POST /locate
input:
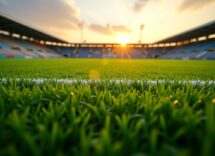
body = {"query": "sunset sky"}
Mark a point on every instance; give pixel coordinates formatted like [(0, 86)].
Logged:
[(109, 20)]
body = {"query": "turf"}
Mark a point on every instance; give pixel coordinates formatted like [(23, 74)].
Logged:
[(106, 119), (109, 69)]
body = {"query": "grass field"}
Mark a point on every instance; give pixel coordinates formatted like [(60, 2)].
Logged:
[(109, 69), (102, 118)]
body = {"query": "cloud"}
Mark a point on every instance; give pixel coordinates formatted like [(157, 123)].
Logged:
[(109, 29), (194, 4), (44, 14), (105, 30), (139, 5), (121, 28)]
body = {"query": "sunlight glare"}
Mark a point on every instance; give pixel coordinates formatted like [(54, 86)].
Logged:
[(123, 40)]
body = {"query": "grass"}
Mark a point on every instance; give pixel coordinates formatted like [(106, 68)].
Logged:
[(109, 69), (107, 118)]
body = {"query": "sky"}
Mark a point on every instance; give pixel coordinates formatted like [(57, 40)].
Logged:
[(109, 21)]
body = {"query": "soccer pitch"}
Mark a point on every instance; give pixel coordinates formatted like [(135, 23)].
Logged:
[(107, 118), (123, 69)]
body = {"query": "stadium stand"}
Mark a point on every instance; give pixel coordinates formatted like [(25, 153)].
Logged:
[(32, 43), (15, 48), (179, 46), (197, 43), (12, 44), (200, 50)]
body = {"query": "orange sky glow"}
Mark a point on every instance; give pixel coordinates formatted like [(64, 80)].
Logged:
[(111, 21)]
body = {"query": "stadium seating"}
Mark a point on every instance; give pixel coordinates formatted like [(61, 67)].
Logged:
[(17, 48), (202, 50), (199, 50), (96, 53)]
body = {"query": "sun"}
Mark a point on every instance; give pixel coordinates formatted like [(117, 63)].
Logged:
[(123, 40)]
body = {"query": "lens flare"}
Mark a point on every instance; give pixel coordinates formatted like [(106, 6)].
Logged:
[(94, 74)]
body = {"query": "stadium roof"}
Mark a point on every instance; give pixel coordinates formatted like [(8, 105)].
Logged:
[(13, 26), (203, 30)]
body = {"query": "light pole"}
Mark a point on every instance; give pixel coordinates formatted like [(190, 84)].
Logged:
[(141, 32), (81, 27)]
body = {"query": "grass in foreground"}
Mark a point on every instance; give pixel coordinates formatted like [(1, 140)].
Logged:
[(106, 119), (109, 69)]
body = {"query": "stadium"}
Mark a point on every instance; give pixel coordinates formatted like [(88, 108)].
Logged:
[(62, 97), (21, 41)]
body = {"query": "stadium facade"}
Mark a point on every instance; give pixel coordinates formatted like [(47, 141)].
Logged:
[(18, 40)]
